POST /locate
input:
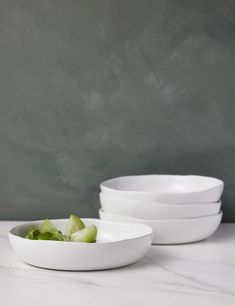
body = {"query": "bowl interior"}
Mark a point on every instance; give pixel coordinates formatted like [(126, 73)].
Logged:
[(162, 183), (107, 231)]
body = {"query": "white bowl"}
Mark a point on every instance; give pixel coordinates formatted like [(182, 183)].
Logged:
[(154, 210), (173, 231), (117, 245), (171, 189)]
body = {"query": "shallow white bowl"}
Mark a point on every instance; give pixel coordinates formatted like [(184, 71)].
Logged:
[(117, 245), (154, 210), (174, 231), (171, 189)]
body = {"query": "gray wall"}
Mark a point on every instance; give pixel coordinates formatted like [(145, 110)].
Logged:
[(95, 89)]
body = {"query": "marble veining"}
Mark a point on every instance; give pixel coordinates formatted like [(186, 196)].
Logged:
[(202, 273)]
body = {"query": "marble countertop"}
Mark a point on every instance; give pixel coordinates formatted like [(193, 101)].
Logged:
[(202, 273)]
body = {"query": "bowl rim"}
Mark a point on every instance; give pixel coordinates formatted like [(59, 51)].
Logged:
[(218, 215), (76, 243), (148, 202), (103, 185)]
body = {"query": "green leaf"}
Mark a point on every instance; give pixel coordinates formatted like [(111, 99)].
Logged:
[(59, 236), (45, 236), (76, 231), (50, 236), (88, 234), (47, 227), (33, 234), (74, 224)]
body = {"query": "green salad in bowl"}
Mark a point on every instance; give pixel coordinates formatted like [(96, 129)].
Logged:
[(76, 231)]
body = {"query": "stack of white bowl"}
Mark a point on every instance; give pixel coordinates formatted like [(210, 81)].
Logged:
[(180, 209)]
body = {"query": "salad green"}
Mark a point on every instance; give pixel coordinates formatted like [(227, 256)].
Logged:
[(88, 234), (75, 232), (75, 224)]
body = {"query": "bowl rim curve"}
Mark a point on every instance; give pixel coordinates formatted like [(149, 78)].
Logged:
[(101, 194), (146, 226), (103, 184), (219, 214)]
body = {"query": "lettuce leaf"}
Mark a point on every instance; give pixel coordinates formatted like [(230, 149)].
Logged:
[(33, 234), (88, 234), (75, 224), (47, 227), (76, 231)]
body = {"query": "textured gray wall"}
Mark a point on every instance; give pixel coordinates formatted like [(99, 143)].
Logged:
[(95, 89)]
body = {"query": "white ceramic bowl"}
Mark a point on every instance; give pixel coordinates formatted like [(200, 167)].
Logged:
[(171, 189), (117, 245), (154, 210), (174, 231)]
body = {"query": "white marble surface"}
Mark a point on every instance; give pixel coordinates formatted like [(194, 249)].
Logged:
[(195, 274)]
